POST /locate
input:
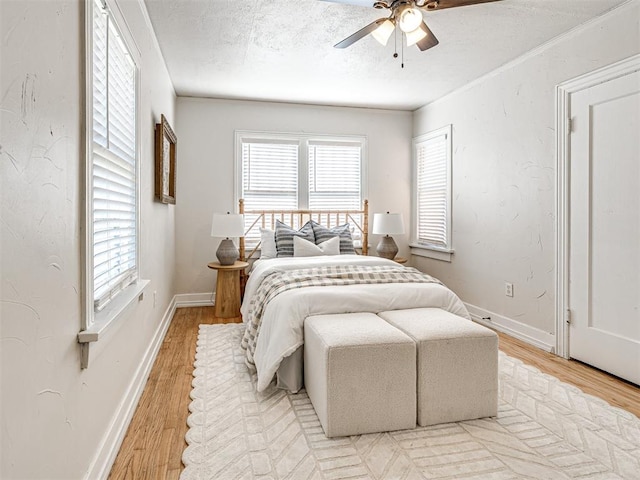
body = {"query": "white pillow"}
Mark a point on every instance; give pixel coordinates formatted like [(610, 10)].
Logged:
[(268, 243), (305, 248)]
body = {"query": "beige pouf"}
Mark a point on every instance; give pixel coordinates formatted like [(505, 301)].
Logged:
[(457, 365), (360, 374)]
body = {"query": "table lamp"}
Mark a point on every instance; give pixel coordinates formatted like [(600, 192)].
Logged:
[(225, 226), (387, 224)]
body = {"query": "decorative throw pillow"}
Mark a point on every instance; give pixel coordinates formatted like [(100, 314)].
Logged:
[(343, 231), (268, 243), (285, 234), (305, 248)]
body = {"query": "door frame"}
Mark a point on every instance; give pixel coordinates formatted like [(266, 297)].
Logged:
[(563, 157)]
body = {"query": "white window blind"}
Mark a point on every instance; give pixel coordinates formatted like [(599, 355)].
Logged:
[(335, 177), (432, 163), (269, 179), (288, 172), (270, 174), (114, 171)]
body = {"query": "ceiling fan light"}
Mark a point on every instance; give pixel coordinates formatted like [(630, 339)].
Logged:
[(410, 19), (415, 36), (383, 32)]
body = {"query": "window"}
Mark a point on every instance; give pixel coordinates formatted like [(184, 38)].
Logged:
[(431, 229), (335, 180), (281, 172), (112, 171), (269, 174)]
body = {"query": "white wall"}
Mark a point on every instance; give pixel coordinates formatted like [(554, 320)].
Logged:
[(205, 130), (55, 415), (504, 170)]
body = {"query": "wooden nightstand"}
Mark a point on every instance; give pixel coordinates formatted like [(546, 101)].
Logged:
[(228, 288), (400, 260)]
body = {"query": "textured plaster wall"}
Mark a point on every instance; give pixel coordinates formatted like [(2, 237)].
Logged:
[(55, 415), (206, 166), (504, 170)]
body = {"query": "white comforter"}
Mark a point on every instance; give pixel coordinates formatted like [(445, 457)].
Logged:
[(281, 331)]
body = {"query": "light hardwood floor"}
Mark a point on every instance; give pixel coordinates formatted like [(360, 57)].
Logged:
[(153, 445)]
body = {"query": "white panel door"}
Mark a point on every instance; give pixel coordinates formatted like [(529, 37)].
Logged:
[(604, 258)]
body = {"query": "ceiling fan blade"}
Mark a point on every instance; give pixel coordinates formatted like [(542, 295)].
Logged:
[(358, 3), (442, 4), (363, 32), (429, 41)]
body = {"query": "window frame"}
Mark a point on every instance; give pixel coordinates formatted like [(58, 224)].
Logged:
[(303, 159), (418, 247), (94, 322)]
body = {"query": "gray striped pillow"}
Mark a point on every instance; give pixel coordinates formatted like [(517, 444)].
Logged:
[(322, 234), (285, 234)]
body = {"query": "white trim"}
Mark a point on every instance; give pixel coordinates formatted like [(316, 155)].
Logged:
[(303, 173), (443, 254), (106, 453), (532, 53), (563, 131), (562, 225), (87, 250), (526, 333), (237, 167), (195, 299), (113, 311), (602, 75)]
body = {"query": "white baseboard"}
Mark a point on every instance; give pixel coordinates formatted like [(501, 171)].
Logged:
[(533, 336), (103, 461), (195, 299)]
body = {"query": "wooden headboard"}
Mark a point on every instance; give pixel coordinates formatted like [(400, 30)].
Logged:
[(297, 218)]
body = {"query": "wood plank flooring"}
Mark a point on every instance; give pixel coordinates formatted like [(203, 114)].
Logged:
[(153, 445), (615, 391)]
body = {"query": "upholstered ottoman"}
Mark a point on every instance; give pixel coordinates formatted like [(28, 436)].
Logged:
[(457, 364), (360, 374)]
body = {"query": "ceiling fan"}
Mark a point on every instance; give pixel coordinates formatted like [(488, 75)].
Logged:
[(404, 14)]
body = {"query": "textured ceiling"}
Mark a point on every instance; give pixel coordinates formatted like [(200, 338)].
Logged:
[(282, 50)]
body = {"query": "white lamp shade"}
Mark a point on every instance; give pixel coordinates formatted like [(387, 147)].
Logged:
[(383, 32), (388, 224), (415, 36), (410, 19), (227, 225)]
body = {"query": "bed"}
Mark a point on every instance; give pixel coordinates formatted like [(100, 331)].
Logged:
[(281, 292)]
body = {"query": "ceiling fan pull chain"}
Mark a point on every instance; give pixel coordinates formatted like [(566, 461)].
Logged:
[(402, 50), (395, 43)]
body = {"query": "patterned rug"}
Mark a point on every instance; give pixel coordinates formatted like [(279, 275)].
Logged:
[(545, 429)]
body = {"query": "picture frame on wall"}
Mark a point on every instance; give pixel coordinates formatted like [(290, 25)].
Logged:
[(165, 151)]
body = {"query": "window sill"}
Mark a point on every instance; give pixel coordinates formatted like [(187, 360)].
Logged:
[(109, 316), (442, 254)]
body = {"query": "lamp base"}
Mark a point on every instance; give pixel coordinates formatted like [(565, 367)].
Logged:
[(227, 252), (387, 248)]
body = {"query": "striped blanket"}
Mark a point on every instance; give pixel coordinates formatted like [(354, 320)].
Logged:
[(337, 275)]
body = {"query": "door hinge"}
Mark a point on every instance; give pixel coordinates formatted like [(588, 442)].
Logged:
[(570, 124), (567, 316)]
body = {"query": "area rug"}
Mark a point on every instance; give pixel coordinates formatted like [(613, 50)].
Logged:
[(545, 429)]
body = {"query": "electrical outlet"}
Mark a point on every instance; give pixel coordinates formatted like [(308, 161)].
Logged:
[(508, 289)]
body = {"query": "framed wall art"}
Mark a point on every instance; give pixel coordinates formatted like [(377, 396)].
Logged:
[(165, 188)]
